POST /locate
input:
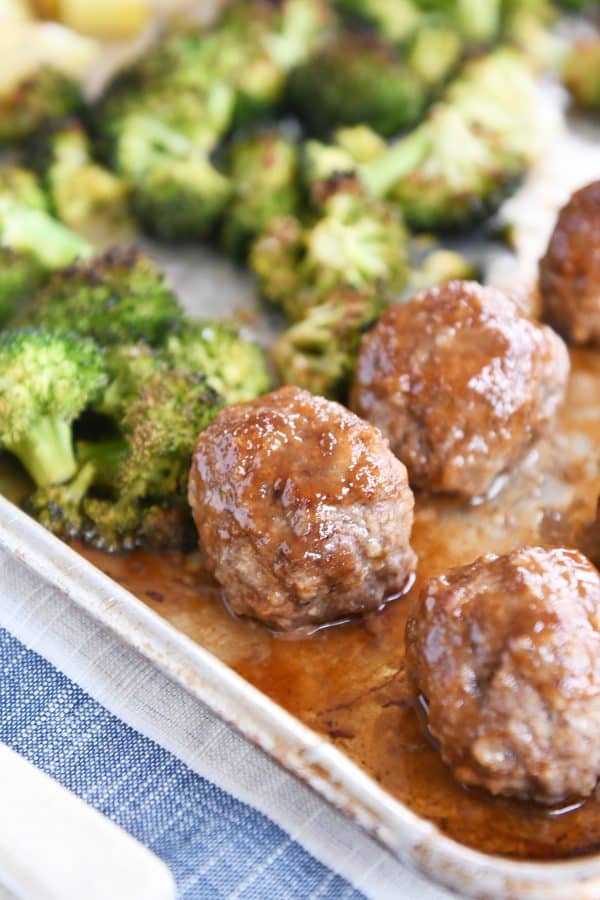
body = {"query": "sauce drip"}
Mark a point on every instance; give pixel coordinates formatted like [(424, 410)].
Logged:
[(348, 682)]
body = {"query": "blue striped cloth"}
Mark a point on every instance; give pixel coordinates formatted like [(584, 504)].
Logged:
[(215, 845)]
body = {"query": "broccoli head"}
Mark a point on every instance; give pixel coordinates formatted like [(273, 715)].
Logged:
[(582, 74), (177, 192), (177, 84), (128, 368), (354, 242), (131, 485), (120, 296), (498, 97), (462, 160), (355, 79), (233, 367), (46, 381), (263, 170), (221, 75), (443, 175), (83, 193), (181, 199), (319, 352), (161, 427), (46, 94)]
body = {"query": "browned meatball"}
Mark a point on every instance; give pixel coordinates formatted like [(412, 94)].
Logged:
[(570, 270), (303, 513), (506, 654), (461, 383)]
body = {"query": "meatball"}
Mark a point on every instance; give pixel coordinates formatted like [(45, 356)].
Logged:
[(570, 270), (506, 655), (303, 513), (461, 383)]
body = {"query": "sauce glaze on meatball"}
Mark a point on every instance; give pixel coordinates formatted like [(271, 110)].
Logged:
[(506, 654), (570, 270), (461, 383), (303, 513)]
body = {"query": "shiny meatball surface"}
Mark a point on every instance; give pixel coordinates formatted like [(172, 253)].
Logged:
[(570, 270), (505, 653), (461, 383), (303, 513)]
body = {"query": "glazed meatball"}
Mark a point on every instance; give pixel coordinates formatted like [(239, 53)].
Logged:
[(461, 383), (505, 653), (570, 270), (303, 513)]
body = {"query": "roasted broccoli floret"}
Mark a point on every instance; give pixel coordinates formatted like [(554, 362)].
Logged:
[(176, 84), (24, 107), (444, 175), (181, 199), (161, 427), (159, 122), (84, 194), (498, 98), (468, 153), (128, 368), (234, 367), (355, 79), (159, 135), (582, 74), (46, 380), (319, 352), (176, 191), (131, 486), (263, 172), (355, 242), (88, 507), (120, 296)]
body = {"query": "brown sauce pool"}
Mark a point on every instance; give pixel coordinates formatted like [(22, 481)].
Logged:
[(348, 682)]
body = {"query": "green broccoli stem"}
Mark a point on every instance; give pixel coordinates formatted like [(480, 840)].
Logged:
[(47, 452), (74, 492), (381, 174)]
